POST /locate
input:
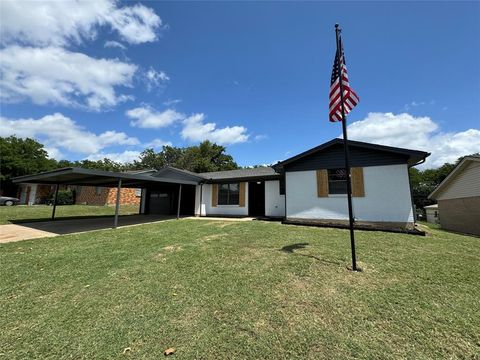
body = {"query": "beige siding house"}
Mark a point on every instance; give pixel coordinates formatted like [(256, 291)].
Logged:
[(458, 197), (432, 213)]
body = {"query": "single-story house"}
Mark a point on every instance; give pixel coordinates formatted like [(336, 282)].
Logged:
[(458, 197), (432, 213), (309, 188)]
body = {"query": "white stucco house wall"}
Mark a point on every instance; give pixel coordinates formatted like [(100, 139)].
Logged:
[(386, 197)]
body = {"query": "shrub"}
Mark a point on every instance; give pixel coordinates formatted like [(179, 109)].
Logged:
[(65, 197)]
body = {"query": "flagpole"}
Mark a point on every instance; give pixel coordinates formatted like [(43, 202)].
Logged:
[(345, 146)]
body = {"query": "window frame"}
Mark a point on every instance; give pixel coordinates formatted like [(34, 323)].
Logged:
[(230, 194), (331, 181)]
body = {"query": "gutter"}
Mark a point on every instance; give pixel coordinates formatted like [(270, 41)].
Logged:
[(420, 162)]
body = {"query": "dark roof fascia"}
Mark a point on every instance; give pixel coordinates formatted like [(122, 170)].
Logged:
[(100, 173), (412, 154), (138, 172), (244, 178), (42, 175)]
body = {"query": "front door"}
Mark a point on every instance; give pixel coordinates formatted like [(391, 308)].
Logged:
[(159, 202), (256, 198)]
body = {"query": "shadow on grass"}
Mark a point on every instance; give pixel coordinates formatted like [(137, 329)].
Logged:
[(69, 225), (290, 249), (60, 218)]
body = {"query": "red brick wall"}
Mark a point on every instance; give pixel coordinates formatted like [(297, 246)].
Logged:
[(106, 196), (88, 195), (127, 197), (44, 190)]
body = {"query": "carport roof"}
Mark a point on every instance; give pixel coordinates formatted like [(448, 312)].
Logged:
[(92, 177)]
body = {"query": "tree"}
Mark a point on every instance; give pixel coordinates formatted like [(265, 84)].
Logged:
[(424, 182), (105, 164), (205, 157), (149, 159), (21, 157)]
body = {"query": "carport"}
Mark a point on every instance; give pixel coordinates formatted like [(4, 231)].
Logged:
[(90, 177)]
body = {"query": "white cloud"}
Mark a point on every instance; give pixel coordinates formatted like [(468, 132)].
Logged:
[(114, 44), (260, 137), (57, 131), (158, 143), (54, 153), (172, 102), (155, 78), (127, 156), (418, 133), (135, 24), (414, 103), (60, 23), (147, 117), (55, 75), (194, 129)]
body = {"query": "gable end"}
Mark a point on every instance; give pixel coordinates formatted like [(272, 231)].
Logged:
[(333, 157)]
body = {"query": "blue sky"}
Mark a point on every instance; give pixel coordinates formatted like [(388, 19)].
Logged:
[(115, 77)]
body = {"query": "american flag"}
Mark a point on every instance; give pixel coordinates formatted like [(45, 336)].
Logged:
[(350, 99)]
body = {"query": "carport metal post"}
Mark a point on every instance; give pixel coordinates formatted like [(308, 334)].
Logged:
[(179, 199), (55, 202), (117, 204)]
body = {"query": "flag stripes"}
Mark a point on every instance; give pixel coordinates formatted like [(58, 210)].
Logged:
[(350, 98)]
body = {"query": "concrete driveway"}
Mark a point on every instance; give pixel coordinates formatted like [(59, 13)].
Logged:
[(41, 229)]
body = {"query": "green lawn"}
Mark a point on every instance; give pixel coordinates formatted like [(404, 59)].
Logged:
[(218, 289), (9, 214)]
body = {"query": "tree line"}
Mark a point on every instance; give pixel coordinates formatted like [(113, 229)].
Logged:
[(27, 156)]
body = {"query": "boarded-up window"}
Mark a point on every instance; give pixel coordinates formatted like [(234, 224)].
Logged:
[(322, 183), (358, 188)]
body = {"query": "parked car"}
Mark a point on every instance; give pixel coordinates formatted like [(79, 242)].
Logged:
[(8, 201)]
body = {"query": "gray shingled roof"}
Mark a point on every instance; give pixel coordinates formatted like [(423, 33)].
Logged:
[(240, 173)]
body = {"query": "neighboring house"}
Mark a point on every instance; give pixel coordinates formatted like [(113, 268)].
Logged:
[(458, 197), (97, 195), (32, 194), (309, 188), (432, 213)]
